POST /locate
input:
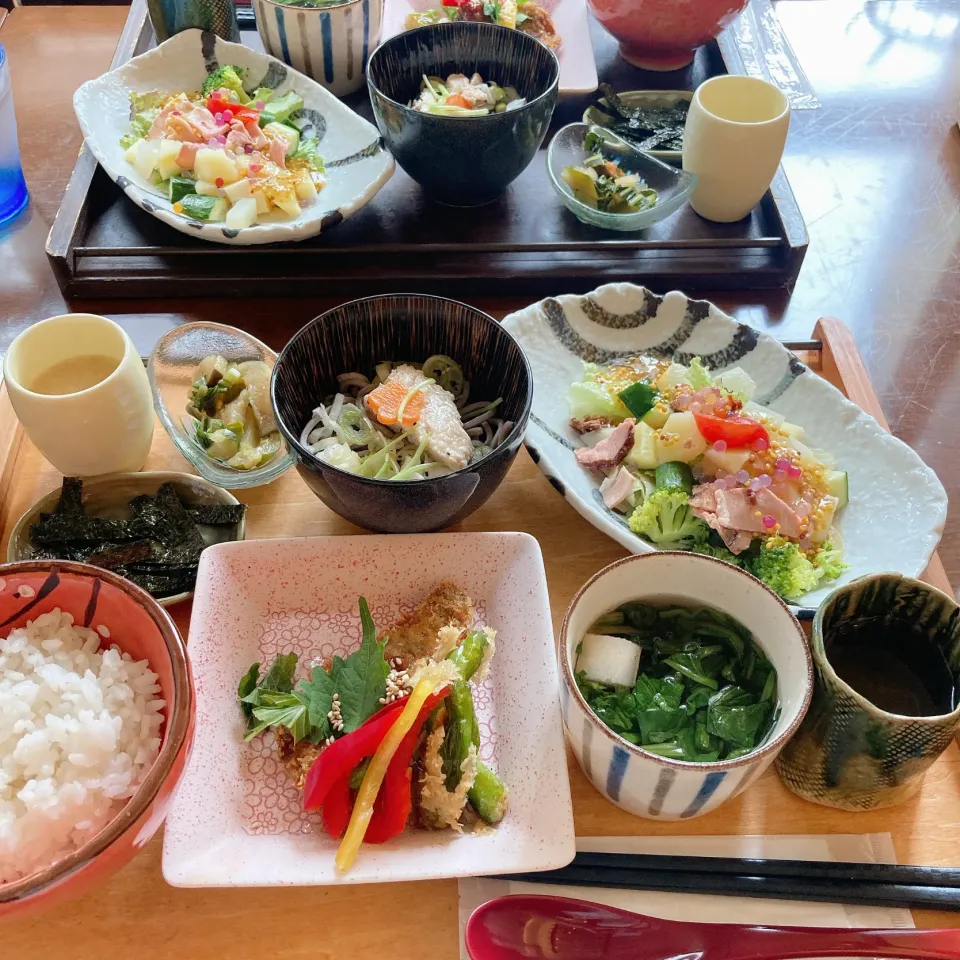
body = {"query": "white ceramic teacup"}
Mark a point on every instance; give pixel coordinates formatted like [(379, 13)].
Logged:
[(734, 138), (106, 427)]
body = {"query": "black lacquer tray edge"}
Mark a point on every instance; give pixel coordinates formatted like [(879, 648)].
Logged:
[(766, 263)]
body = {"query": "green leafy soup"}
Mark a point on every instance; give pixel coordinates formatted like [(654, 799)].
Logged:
[(688, 683)]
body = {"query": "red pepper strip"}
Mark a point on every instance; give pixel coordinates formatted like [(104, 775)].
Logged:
[(734, 430), (339, 759), (395, 799), (336, 808)]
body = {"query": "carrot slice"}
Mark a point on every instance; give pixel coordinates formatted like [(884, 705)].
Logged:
[(385, 403), (455, 100)]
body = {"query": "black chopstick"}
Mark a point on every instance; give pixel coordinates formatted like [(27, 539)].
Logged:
[(822, 891), (746, 866), (864, 884)]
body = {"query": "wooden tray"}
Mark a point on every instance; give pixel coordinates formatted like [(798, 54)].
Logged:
[(419, 921), (102, 245)]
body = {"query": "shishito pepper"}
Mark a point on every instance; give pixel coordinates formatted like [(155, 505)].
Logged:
[(430, 677)]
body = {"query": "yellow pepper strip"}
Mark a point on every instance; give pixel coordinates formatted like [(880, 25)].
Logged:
[(508, 14), (373, 778)]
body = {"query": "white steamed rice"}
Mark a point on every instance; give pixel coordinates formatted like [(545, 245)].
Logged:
[(79, 729)]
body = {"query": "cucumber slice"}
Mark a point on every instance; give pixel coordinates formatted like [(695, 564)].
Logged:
[(204, 208), (838, 486), (674, 476), (181, 187), (639, 398), (657, 416)]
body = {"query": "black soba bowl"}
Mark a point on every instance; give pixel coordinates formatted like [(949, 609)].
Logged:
[(401, 327), (463, 161)]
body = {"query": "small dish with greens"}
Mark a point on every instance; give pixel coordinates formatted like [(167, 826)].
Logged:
[(684, 682), (601, 183), (211, 392), (229, 411), (605, 182), (683, 678)]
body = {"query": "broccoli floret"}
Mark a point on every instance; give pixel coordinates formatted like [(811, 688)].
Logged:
[(697, 375), (666, 520), (828, 563), (227, 77), (784, 569), (721, 553)]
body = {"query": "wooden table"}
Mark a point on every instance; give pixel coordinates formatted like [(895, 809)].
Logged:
[(877, 173)]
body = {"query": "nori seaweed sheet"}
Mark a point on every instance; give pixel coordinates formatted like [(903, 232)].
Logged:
[(54, 527), (111, 556), (158, 549), (647, 128), (71, 496), (176, 530), (216, 514)]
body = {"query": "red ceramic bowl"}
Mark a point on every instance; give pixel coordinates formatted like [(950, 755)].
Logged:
[(142, 628), (663, 34)]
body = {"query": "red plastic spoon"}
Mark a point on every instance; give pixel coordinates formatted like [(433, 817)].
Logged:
[(557, 928)]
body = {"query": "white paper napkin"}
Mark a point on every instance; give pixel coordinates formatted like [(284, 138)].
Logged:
[(856, 848)]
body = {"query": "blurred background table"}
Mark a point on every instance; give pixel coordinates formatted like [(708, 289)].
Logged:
[(877, 174)]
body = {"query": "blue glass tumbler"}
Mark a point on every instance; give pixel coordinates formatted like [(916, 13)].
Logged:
[(13, 188)]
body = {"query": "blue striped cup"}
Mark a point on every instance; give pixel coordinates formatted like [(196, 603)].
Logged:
[(644, 783), (331, 44)]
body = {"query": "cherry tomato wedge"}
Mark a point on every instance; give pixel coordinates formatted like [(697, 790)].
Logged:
[(734, 430), (215, 105)]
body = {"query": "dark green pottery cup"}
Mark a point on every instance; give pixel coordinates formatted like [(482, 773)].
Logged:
[(848, 752)]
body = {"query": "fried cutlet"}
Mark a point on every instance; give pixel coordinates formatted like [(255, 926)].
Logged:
[(298, 758), (414, 635)]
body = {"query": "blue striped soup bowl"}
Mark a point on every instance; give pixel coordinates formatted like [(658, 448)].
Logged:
[(331, 44), (643, 783)]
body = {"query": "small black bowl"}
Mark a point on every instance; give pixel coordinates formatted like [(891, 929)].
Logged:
[(357, 336), (463, 161)]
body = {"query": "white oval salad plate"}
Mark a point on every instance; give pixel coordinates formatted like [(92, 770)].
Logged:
[(356, 163), (897, 506)]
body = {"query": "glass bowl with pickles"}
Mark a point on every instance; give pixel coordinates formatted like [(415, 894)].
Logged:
[(607, 183), (211, 391)]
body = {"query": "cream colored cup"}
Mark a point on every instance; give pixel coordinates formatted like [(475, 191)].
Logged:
[(734, 138), (106, 428)]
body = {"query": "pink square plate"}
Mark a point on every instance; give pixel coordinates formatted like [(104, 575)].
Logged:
[(578, 67), (237, 819)]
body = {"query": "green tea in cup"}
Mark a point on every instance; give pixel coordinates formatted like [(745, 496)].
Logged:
[(886, 649)]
